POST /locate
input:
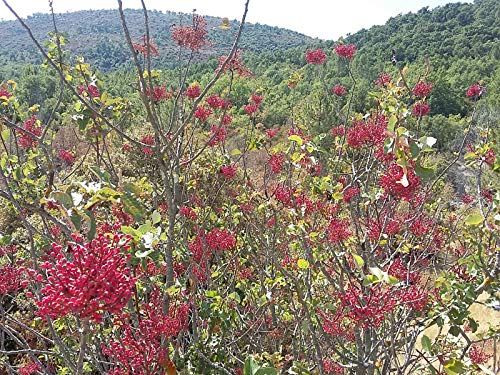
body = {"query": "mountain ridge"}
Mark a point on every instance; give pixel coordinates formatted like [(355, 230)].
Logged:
[(98, 36)]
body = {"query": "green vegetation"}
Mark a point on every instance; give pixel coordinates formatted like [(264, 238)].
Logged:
[(330, 208)]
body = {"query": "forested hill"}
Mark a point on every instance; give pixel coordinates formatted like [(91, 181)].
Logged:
[(98, 36), (453, 31), (461, 40), (456, 30)]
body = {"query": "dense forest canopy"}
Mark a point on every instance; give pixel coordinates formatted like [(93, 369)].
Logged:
[(97, 35), (461, 41)]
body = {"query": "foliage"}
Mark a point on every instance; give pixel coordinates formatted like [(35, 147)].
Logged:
[(176, 229)]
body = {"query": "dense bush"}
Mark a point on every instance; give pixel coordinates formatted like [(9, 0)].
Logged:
[(178, 232)]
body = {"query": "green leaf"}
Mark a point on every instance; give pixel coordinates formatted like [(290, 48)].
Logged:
[(145, 228), (359, 261), (388, 145), (472, 325), (296, 138), (103, 175), (6, 135), (424, 172), (370, 279), (414, 149), (132, 207), (255, 143), (5, 240), (391, 279), (474, 219), (91, 223), (235, 152), (454, 330), (63, 198), (156, 217), (131, 231), (235, 296), (266, 371), (18, 174), (392, 122), (250, 366), (131, 188), (426, 343), (377, 272), (303, 264), (470, 156), (401, 130), (454, 366), (76, 220)]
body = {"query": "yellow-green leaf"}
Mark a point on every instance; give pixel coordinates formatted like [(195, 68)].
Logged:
[(296, 138), (303, 264), (474, 219), (359, 261)]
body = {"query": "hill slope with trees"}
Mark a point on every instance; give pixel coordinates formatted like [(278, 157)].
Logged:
[(98, 36)]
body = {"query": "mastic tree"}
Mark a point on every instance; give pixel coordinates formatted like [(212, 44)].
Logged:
[(175, 231)]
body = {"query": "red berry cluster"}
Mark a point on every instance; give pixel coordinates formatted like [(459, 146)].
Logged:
[(317, 57), (193, 91), (346, 51), (383, 79), (253, 105), (66, 156), (398, 183), (194, 36), (478, 356), (26, 140), (139, 349), (229, 171), (235, 65), (422, 89), (220, 239), (92, 278), (277, 161), (367, 133), (90, 90), (142, 47), (10, 279), (338, 230), (148, 140), (475, 91), (5, 94), (339, 90), (217, 136), (421, 109)]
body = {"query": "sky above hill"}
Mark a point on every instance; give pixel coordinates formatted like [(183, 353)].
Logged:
[(327, 19)]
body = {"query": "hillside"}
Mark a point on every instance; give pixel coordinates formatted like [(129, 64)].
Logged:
[(98, 36), (461, 41), (453, 31)]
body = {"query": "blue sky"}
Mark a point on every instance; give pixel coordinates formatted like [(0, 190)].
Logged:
[(327, 19)]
